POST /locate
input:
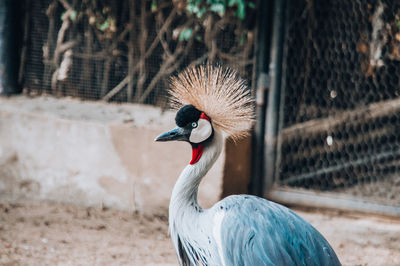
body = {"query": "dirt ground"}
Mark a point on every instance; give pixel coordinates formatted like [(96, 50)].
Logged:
[(59, 234)]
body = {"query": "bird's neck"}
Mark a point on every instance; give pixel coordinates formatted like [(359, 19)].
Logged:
[(184, 194), (184, 211)]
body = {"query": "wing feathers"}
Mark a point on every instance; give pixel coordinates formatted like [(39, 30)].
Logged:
[(258, 232)]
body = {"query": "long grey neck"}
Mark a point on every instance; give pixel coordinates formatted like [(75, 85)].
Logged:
[(184, 194)]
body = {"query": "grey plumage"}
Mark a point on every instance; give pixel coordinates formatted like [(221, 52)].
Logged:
[(259, 232)]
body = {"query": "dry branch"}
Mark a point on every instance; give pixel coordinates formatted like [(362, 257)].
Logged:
[(368, 112), (66, 5), (131, 48), (116, 89), (156, 40), (25, 40), (142, 76)]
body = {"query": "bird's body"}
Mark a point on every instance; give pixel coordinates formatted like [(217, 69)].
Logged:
[(238, 230)]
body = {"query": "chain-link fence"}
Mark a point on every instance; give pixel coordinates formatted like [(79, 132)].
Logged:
[(126, 50), (340, 104)]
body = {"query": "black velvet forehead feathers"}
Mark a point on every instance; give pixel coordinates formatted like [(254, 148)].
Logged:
[(186, 115)]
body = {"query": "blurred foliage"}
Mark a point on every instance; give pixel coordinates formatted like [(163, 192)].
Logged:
[(200, 7), (230, 10)]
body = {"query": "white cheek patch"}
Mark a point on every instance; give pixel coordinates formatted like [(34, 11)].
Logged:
[(202, 132)]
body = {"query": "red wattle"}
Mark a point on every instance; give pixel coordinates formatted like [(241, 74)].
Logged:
[(197, 151), (204, 116)]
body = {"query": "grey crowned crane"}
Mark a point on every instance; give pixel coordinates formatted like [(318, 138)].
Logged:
[(213, 103)]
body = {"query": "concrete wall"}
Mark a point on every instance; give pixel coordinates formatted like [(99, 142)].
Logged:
[(93, 154)]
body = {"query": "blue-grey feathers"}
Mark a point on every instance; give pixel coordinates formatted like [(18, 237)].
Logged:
[(259, 232)]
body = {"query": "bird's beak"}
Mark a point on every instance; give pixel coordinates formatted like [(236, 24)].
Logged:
[(177, 133)]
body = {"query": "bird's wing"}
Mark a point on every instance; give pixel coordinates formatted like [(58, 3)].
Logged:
[(255, 231)]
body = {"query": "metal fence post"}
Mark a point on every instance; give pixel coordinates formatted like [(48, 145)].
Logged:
[(275, 74), (8, 48), (262, 47)]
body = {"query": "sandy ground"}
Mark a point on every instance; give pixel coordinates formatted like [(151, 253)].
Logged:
[(59, 234)]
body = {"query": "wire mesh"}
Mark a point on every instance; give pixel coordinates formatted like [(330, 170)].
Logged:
[(126, 50), (340, 106)]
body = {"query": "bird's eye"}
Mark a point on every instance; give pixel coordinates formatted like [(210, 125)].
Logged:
[(194, 125)]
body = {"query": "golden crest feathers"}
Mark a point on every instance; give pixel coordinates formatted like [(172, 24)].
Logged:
[(220, 93)]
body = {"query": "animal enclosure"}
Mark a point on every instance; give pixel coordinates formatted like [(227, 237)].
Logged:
[(339, 115), (338, 122)]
